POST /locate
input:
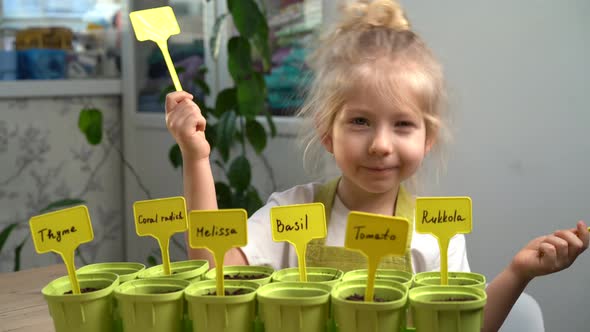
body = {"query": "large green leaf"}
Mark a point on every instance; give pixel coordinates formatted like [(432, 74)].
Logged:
[(62, 204), (175, 156), (239, 173), (223, 193), (256, 135), (6, 233), (239, 58), (251, 96), (260, 41), (226, 127), (90, 123), (226, 101), (246, 16)]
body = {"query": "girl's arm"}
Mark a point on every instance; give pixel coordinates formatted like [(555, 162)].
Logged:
[(187, 125), (544, 255)]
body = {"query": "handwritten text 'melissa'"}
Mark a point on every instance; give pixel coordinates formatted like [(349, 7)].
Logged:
[(442, 217), (216, 231)]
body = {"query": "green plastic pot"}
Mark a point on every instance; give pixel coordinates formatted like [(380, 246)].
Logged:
[(400, 276), (125, 271), (191, 270), (471, 279), (447, 308), (323, 275), (294, 306), (361, 316), (88, 312), (245, 271), (229, 313), (152, 305)]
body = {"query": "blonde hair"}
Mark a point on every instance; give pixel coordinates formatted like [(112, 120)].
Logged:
[(371, 34)]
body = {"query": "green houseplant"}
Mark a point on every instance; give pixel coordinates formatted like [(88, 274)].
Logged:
[(232, 122)]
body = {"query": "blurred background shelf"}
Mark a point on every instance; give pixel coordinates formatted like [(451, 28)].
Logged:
[(53, 88)]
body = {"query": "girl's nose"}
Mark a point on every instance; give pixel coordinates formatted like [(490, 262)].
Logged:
[(381, 143)]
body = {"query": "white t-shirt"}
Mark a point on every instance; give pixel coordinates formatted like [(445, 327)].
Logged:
[(262, 250)]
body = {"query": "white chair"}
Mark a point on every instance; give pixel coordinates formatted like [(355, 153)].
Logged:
[(525, 316)]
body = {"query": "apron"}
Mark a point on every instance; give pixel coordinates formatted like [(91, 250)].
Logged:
[(320, 255)]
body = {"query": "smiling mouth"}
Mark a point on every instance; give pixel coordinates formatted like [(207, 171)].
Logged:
[(380, 169)]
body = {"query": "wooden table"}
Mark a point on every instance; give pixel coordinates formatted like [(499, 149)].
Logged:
[(22, 307)]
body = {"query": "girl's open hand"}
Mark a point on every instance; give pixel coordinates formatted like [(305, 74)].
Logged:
[(187, 125), (551, 253)]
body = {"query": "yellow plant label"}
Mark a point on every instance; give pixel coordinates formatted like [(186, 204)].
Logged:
[(298, 224), (376, 235), (61, 232), (154, 23), (160, 217), (443, 216), (157, 24), (218, 230)]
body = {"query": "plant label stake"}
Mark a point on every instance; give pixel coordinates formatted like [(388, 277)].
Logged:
[(161, 218), (376, 236), (61, 232), (157, 24), (218, 231), (443, 218), (298, 224)]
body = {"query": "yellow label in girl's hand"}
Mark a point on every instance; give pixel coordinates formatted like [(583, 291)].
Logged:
[(298, 224), (61, 232), (443, 217), (218, 231), (161, 218), (376, 236)]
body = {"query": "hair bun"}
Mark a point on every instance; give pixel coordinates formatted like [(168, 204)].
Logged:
[(379, 13)]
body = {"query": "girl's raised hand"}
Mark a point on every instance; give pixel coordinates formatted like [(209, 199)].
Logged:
[(551, 253), (187, 125)]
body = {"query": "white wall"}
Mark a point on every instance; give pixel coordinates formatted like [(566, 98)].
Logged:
[(518, 73)]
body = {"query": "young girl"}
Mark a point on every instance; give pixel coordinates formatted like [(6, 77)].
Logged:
[(376, 106)]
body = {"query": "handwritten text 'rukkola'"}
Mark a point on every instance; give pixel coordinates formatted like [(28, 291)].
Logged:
[(442, 217)]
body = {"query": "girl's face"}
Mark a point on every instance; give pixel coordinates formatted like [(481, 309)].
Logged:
[(376, 144)]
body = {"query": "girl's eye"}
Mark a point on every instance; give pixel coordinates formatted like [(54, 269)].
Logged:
[(360, 121), (404, 124)]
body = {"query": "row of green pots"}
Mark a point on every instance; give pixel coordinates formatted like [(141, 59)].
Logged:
[(183, 302)]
